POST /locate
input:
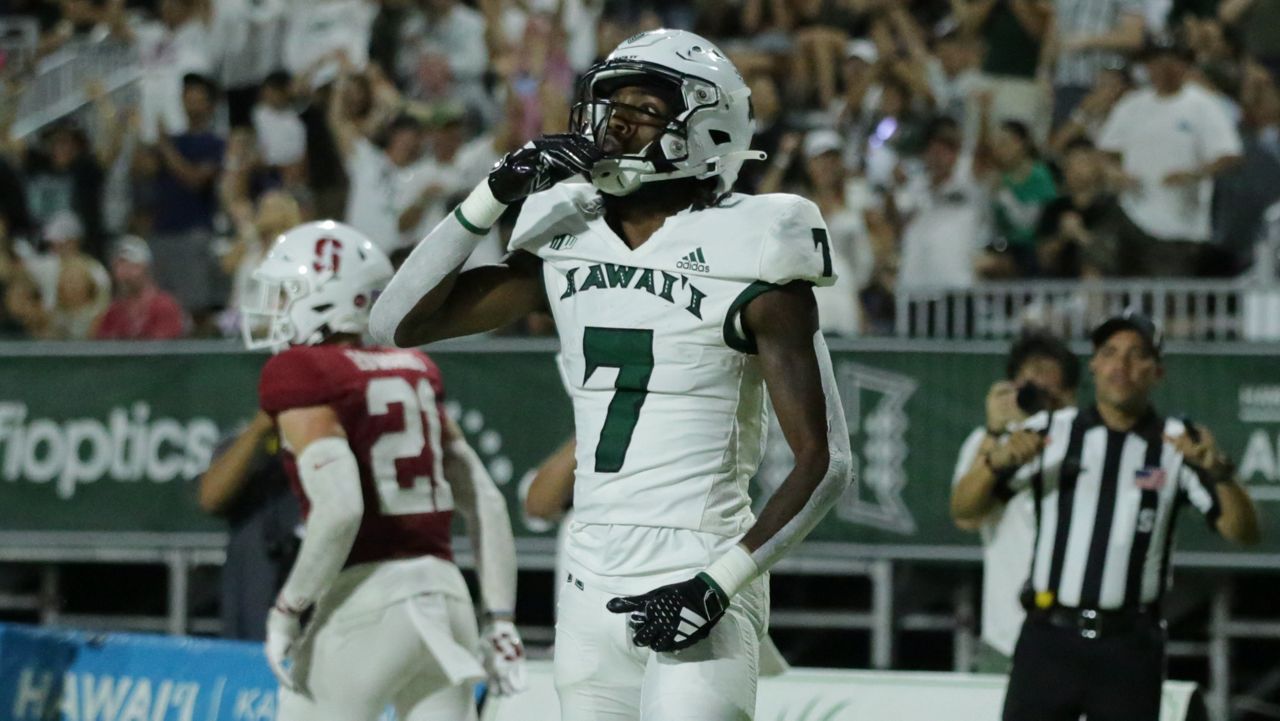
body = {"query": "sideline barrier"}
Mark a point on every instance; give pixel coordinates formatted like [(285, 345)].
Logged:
[(111, 440), (76, 676), (50, 674), (831, 695)]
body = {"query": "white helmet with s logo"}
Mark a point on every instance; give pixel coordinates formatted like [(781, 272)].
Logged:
[(319, 279)]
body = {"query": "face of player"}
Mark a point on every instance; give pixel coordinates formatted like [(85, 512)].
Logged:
[(1046, 373), (635, 121), (1125, 371)]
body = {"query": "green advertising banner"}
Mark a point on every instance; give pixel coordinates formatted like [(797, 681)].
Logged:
[(114, 441)]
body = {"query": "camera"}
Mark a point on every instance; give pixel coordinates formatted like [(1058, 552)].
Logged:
[(1032, 398)]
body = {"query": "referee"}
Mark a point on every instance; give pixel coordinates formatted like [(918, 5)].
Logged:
[(1108, 480)]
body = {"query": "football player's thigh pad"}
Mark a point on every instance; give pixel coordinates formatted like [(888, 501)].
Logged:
[(422, 699), (446, 625), (598, 671), (715, 679)]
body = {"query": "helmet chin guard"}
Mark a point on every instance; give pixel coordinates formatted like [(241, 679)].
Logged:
[(708, 133), (624, 175)]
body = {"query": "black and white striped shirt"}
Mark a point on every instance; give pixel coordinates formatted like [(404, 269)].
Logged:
[(1106, 505)]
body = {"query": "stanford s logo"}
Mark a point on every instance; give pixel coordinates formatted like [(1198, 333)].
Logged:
[(328, 255)]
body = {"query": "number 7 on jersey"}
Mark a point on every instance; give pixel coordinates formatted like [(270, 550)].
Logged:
[(630, 350)]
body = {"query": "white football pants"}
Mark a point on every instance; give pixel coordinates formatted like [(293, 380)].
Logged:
[(601, 676), (418, 654)]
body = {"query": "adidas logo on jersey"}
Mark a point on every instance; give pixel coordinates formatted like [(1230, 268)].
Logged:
[(695, 262), (563, 242)]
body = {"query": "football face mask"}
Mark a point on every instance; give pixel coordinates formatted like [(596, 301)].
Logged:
[(708, 126)]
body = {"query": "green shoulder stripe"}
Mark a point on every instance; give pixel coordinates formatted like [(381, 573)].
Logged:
[(744, 342)]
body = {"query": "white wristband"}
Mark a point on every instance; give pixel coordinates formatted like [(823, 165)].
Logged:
[(733, 570), (480, 210)]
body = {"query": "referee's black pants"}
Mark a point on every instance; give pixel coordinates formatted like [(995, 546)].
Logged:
[(1059, 675)]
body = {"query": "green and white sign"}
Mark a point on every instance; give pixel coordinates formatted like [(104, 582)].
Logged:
[(115, 442)]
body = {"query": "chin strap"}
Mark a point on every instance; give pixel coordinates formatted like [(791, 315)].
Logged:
[(624, 176)]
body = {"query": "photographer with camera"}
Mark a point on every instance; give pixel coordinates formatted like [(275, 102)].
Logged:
[(1041, 373)]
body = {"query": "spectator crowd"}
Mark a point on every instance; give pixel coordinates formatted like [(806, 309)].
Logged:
[(947, 143)]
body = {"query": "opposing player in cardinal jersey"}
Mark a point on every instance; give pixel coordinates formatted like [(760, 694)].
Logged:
[(679, 305), (374, 612)]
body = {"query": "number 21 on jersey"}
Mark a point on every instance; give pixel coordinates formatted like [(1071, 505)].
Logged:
[(408, 464)]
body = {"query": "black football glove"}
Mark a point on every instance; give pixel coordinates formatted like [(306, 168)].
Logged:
[(674, 617), (540, 164)]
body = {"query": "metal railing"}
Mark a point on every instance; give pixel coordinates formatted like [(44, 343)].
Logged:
[(1185, 309), (1244, 308), (57, 85)]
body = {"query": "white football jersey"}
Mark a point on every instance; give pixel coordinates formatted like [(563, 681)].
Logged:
[(668, 399)]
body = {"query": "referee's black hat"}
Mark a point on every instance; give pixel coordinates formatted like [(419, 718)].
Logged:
[(1129, 320)]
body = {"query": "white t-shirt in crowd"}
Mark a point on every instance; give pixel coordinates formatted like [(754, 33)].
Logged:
[(458, 35), (947, 227), (282, 138), (315, 30), (1157, 136), (579, 19), (852, 260), (1008, 537), (380, 192), (248, 39), (165, 56)]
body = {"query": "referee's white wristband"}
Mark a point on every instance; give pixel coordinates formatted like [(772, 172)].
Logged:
[(480, 210), (733, 570)]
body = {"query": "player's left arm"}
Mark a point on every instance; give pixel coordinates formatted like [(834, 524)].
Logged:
[(797, 371), (484, 510), (331, 478)]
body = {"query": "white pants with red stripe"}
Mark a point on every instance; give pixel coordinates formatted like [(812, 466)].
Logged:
[(601, 676)]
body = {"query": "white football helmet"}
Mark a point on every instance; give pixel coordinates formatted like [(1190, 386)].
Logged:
[(319, 279), (707, 135)]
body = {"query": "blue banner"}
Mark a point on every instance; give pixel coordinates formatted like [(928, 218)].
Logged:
[(77, 676)]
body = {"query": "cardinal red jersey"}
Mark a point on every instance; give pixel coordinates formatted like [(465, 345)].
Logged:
[(390, 403)]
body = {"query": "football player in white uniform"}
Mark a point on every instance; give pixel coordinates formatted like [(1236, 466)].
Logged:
[(678, 304)]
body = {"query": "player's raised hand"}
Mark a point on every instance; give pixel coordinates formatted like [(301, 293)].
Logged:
[(674, 617), (284, 628), (504, 658), (540, 164)]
